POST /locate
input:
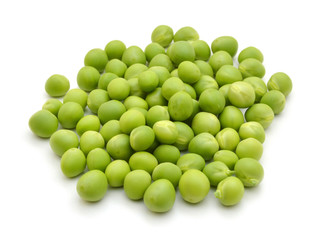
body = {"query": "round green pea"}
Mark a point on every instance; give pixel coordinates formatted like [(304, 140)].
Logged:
[(231, 117), (226, 156), (53, 105), (162, 72), (251, 67), (156, 98), (135, 89), (148, 81), (202, 50), (157, 113), (43, 123), (205, 82), (165, 131), (260, 113), (116, 66), (225, 43), (185, 134), (194, 186), (250, 52), (180, 106), (196, 109), (111, 110), (135, 184), (230, 191), (143, 160), (241, 94), (162, 60), (275, 99), (118, 89), (73, 162), (96, 58), (181, 51), (186, 34), (76, 95), (205, 122), (152, 50), (119, 147), (191, 161), (219, 59), (162, 35), (204, 68), (172, 86), (167, 153), (224, 90), (62, 140), (258, 85), (57, 85), (216, 172), (86, 123), (132, 55), (91, 140), (95, 98), (88, 78), (252, 130), (110, 129), (116, 172), (115, 49), (212, 101), (281, 82), (228, 139), (131, 119), (98, 158), (204, 144), (249, 171), (160, 196), (105, 79), (69, 114), (134, 70), (249, 148), (92, 186), (167, 171), (228, 74), (189, 72), (190, 90), (141, 138)]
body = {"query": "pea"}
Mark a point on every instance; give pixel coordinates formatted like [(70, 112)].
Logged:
[(162, 60), (250, 52), (167, 171), (91, 140), (43, 123), (211, 100), (115, 49), (231, 117), (249, 171), (92, 186), (228, 139), (162, 72), (274, 99), (76, 95), (172, 86), (180, 106), (230, 191), (249, 148), (134, 70), (156, 98), (73, 162), (111, 110), (181, 51), (205, 122), (224, 90), (205, 82), (57, 85), (225, 43), (132, 55), (162, 35), (118, 89), (105, 79), (194, 186), (186, 34), (160, 196), (219, 59), (143, 160), (252, 130), (87, 123), (258, 85), (53, 105), (216, 172), (204, 144), (228, 74), (226, 156), (191, 161), (251, 67), (167, 153), (96, 98), (190, 90), (116, 172), (119, 147), (110, 129), (130, 120), (62, 140), (141, 138), (260, 113), (165, 131), (116, 66), (69, 114), (88, 78), (135, 89), (96, 58), (205, 68), (188, 72), (135, 184), (98, 158), (185, 134), (148, 81), (152, 50), (202, 50), (195, 111), (157, 113), (174, 73), (241, 94), (281, 82)]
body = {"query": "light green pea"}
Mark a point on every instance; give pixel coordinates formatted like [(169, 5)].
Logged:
[(281, 82), (155, 114), (69, 114), (131, 119), (274, 99), (205, 122), (167, 153), (250, 52), (111, 110), (180, 106), (135, 184), (185, 134), (230, 191), (204, 68), (167, 171), (148, 81), (141, 138), (191, 161), (249, 171), (251, 67), (88, 78), (172, 86), (162, 60), (195, 111), (231, 117), (211, 100), (174, 73), (118, 89), (205, 82), (110, 129), (99, 159), (117, 67), (156, 98), (205, 145), (181, 51), (96, 98), (115, 49), (202, 50), (228, 139), (258, 85), (249, 148), (76, 95), (152, 50), (86, 123), (43, 123), (119, 147), (96, 58), (219, 59), (116, 172), (186, 34), (241, 94), (188, 72), (224, 90), (53, 105), (134, 70), (162, 72), (135, 89), (228, 74), (216, 172), (225, 43), (260, 113), (252, 130), (105, 79), (91, 140), (57, 85), (62, 140), (162, 35), (190, 90), (73, 162), (226, 156), (165, 131), (132, 55), (143, 160)]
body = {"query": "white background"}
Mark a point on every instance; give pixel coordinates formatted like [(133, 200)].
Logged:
[(40, 38)]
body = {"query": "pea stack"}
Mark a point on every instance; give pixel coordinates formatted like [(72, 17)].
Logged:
[(178, 115)]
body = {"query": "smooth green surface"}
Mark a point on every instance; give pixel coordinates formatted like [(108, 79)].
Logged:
[(88, 78), (95, 98), (143, 160), (141, 138), (228, 74), (219, 59), (156, 98), (76, 95), (172, 86), (135, 184), (258, 85), (148, 81), (62, 140), (69, 114), (43, 123), (111, 110), (205, 122), (165, 131), (155, 114), (110, 129), (228, 139), (181, 51), (57, 85), (167, 171), (249, 148), (116, 66), (167, 153), (98, 158), (249, 171), (73, 162), (191, 161), (252, 130), (162, 60), (91, 140), (205, 82), (202, 50), (211, 100), (162, 35), (96, 58), (226, 156), (250, 52), (116, 172), (185, 134), (153, 49), (260, 113), (241, 94), (105, 79), (115, 49), (186, 34), (216, 172), (119, 147), (230, 191), (274, 99), (180, 106), (225, 43), (130, 120), (118, 89), (280, 81), (231, 117), (132, 55), (204, 144), (188, 72), (251, 67), (86, 123), (53, 105)]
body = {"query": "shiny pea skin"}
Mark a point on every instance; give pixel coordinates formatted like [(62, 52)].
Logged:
[(155, 114), (69, 114), (73, 162), (180, 106), (258, 85), (91, 140), (167, 153), (96, 58), (225, 43), (132, 55), (111, 110), (96, 98), (165, 131), (188, 72), (118, 89), (116, 66), (250, 52), (186, 34), (148, 81), (252, 129), (230, 191), (105, 79), (162, 35), (226, 156), (172, 86), (249, 148), (219, 59), (76, 95), (119, 147), (134, 70), (98, 158), (62, 140), (228, 139), (216, 172), (251, 67), (141, 138), (231, 117), (87, 123), (211, 100), (205, 82), (181, 51), (143, 160), (202, 50), (191, 161), (241, 94), (185, 134), (53, 105), (205, 145), (152, 50), (205, 122), (43, 123), (156, 98), (249, 171), (167, 171), (115, 49), (260, 113), (130, 120), (135, 101), (274, 99), (110, 129), (57, 85), (162, 60), (228, 74), (116, 172), (280, 81), (135, 184), (88, 78)]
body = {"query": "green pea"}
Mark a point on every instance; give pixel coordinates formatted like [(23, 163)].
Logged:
[(195, 111), (143, 160), (119, 147), (180, 106), (135, 101), (205, 122), (132, 55), (172, 86), (241, 94), (73, 162), (228, 139), (162, 60), (258, 85), (186, 34), (110, 129), (191, 161), (228, 74), (249, 148), (204, 68), (204, 144), (86, 123), (188, 72), (141, 138), (185, 134), (249, 171), (230, 191), (202, 50), (53, 105), (96, 58), (116, 66), (181, 51), (135, 89), (224, 90), (211, 100), (225, 43), (91, 140), (57, 85), (226, 156), (88, 78), (131, 119), (152, 50), (135, 184), (260, 113), (216, 172), (162, 72), (190, 90), (165, 131), (92, 186), (162, 35), (281, 82), (156, 98), (274, 99), (76, 95), (148, 81), (134, 70), (157, 113), (118, 89), (43, 123), (111, 110), (251, 67), (115, 49), (167, 171), (167, 153), (160, 196), (250, 52), (116, 172), (174, 73), (62, 140), (69, 114), (252, 130), (231, 117), (99, 159), (194, 186), (219, 59), (96, 98), (205, 82), (105, 79)]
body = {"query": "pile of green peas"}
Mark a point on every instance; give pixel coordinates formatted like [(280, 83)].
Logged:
[(176, 115)]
